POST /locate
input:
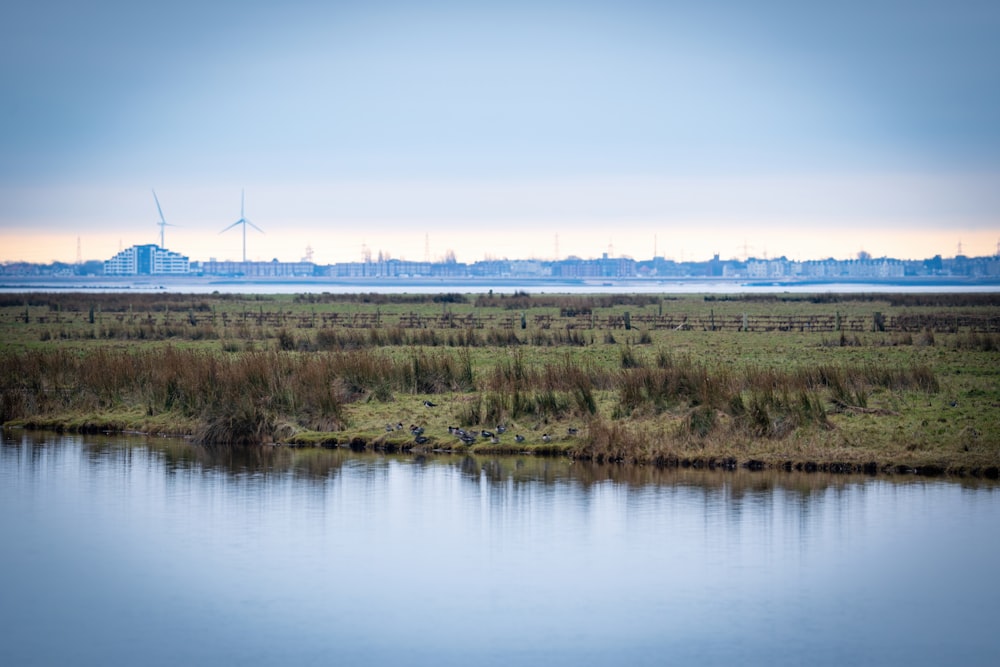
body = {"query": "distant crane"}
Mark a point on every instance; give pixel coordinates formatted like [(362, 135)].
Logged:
[(162, 223), (243, 221), (747, 248)]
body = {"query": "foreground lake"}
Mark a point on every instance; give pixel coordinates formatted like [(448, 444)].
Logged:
[(119, 551)]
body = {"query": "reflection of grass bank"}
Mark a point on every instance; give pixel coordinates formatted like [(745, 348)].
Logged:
[(570, 376), (320, 465)]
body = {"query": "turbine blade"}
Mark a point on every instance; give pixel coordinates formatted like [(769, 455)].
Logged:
[(255, 227), (243, 193), (160, 210), (238, 222)]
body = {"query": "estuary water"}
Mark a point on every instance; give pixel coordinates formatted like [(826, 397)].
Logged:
[(126, 551)]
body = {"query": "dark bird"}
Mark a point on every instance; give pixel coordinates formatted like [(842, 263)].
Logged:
[(487, 434), (428, 404), (501, 428), (519, 438), (572, 431), (546, 437), (420, 440)]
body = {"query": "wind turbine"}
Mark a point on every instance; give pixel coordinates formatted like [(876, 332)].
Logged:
[(243, 221), (162, 223)]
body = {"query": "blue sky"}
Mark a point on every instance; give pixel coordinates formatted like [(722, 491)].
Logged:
[(501, 129)]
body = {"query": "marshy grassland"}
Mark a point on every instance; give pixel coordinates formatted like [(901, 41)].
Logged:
[(873, 382)]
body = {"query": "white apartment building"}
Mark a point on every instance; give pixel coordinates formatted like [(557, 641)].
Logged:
[(146, 260)]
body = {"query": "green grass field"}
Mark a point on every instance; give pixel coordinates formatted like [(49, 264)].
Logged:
[(873, 382)]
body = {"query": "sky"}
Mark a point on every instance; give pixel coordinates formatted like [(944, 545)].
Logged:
[(500, 129)]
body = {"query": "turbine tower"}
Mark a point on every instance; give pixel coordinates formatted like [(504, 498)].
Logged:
[(162, 223), (243, 221)]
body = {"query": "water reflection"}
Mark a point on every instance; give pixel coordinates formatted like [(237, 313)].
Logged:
[(277, 555), (504, 475)]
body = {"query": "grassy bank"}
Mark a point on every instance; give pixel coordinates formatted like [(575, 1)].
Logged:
[(865, 382)]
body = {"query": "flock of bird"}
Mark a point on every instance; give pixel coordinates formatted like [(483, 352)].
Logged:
[(467, 437)]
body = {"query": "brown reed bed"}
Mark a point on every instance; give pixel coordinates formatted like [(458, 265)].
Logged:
[(268, 395)]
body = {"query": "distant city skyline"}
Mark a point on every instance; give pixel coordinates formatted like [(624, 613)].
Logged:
[(352, 246), (153, 260), (770, 128), (309, 254)]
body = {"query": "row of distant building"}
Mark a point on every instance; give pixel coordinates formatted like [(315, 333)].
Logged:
[(153, 260)]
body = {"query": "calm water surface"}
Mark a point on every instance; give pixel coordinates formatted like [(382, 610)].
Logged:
[(122, 551)]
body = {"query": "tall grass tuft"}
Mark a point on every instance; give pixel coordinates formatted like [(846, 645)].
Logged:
[(618, 441), (983, 342), (237, 398)]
